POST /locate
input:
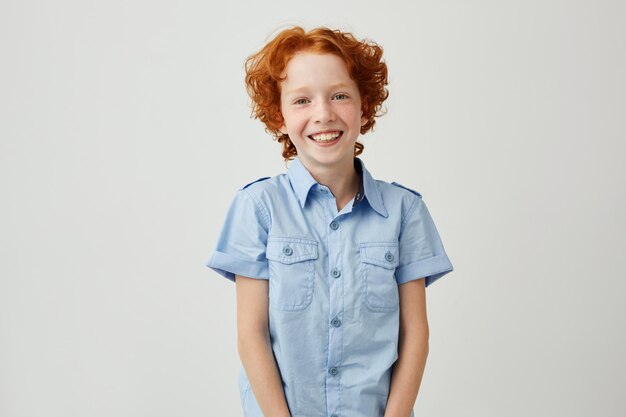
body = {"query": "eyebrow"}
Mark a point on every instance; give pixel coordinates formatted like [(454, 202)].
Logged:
[(303, 89)]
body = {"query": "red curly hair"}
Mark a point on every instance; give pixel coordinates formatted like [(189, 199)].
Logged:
[(264, 69)]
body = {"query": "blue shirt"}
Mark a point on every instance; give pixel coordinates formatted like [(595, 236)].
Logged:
[(333, 283)]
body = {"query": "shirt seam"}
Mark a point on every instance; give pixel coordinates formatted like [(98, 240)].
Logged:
[(409, 213), (259, 208)]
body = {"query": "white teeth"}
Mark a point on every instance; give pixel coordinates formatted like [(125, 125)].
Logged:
[(325, 137)]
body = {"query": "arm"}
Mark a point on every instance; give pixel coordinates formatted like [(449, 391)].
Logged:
[(255, 350), (412, 350)]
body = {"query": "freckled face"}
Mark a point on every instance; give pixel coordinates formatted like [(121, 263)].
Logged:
[(321, 108)]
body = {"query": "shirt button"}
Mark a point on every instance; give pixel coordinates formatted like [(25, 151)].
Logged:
[(389, 257), (323, 190), (334, 415), (335, 322), (333, 371), (334, 225), (336, 273), (287, 251)]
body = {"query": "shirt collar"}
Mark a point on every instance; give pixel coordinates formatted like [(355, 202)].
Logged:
[(301, 180)]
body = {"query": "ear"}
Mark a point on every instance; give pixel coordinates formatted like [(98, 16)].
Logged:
[(283, 129), (364, 119)]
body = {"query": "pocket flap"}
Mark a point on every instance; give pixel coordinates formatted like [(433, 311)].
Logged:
[(383, 254), (289, 250)]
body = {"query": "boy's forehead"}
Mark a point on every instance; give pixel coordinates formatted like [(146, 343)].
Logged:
[(305, 70), (305, 59)]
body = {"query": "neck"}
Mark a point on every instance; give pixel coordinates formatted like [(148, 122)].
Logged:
[(342, 179)]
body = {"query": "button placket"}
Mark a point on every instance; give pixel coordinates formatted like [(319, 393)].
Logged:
[(336, 287)]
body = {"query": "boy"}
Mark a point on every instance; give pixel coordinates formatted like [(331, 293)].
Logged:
[(330, 264)]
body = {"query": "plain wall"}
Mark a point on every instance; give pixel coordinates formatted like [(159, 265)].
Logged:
[(125, 131)]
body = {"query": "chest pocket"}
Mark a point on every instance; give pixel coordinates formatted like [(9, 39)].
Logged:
[(378, 264), (291, 272)]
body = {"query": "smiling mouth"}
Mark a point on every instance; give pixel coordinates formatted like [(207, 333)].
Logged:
[(326, 137)]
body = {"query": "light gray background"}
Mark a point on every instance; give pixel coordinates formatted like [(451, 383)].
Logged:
[(125, 133)]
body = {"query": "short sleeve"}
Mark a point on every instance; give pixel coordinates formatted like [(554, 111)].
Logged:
[(420, 248), (241, 244)]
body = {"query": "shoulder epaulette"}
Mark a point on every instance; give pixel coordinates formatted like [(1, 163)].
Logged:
[(249, 184), (407, 188)]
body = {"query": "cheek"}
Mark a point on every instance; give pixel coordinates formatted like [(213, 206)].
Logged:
[(296, 121), (353, 114), (294, 124)]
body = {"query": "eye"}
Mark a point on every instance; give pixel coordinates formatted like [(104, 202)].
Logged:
[(341, 96), (301, 101)]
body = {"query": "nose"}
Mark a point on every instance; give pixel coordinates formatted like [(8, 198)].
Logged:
[(324, 112)]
